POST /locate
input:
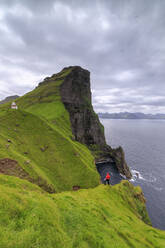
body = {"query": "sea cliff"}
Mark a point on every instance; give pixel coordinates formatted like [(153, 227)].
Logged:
[(48, 149)]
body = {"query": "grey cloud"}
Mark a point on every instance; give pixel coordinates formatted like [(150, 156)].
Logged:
[(121, 42)]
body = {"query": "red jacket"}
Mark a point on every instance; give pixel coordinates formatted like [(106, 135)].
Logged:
[(107, 176)]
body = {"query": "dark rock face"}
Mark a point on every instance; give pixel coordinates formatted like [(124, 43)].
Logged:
[(119, 158), (76, 96), (86, 127)]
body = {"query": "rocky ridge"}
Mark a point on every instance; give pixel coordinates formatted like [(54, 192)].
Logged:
[(86, 127)]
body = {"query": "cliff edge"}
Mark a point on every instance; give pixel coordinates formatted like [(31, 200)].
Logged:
[(39, 144), (86, 128)]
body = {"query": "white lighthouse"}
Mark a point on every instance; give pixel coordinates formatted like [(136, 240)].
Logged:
[(14, 105)]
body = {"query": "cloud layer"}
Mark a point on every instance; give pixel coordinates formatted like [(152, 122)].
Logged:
[(121, 42)]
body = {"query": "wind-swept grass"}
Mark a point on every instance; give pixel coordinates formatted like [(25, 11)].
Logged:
[(40, 133), (101, 217), (38, 136)]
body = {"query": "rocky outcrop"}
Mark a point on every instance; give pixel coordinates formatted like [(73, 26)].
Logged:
[(86, 127), (76, 96), (119, 158)]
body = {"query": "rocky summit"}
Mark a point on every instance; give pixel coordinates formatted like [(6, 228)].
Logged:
[(75, 94)]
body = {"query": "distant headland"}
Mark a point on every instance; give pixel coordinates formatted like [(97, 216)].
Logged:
[(128, 115)]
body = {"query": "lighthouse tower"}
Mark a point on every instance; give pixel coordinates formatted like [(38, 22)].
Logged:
[(14, 105)]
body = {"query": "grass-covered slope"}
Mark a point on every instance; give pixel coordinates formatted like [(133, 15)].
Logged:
[(101, 217), (48, 157), (36, 144), (42, 142)]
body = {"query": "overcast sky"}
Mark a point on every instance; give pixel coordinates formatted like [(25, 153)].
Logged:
[(121, 42)]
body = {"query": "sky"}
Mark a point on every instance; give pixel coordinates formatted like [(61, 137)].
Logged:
[(121, 43)]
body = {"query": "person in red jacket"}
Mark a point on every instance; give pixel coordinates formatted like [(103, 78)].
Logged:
[(107, 178)]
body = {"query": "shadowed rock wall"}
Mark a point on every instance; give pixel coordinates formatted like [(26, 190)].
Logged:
[(76, 96), (86, 127)]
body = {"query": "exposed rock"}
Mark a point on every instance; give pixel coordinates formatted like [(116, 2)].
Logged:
[(27, 162), (137, 175), (140, 196), (76, 96), (76, 187), (7, 166), (43, 149), (121, 164), (86, 127)]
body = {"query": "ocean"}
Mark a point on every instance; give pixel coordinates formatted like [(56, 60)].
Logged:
[(144, 144)]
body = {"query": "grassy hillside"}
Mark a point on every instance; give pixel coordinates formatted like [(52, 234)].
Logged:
[(101, 217), (36, 144), (40, 132), (46, 155)]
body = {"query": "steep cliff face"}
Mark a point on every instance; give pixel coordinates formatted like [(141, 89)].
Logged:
[(86, 127), (119, 158), (76, 96)]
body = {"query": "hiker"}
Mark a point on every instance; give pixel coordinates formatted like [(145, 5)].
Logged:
[(107, 178)]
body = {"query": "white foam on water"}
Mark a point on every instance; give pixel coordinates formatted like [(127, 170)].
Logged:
[(123, 176), (150, 179), (136, 175)]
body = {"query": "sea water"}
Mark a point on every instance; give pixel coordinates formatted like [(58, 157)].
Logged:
[(144, 145)]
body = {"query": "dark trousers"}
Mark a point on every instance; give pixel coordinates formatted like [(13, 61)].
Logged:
[(107, 181)]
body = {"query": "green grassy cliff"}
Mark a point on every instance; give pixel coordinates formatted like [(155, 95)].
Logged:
[(40, 134), (101, 217), (39, 155)]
